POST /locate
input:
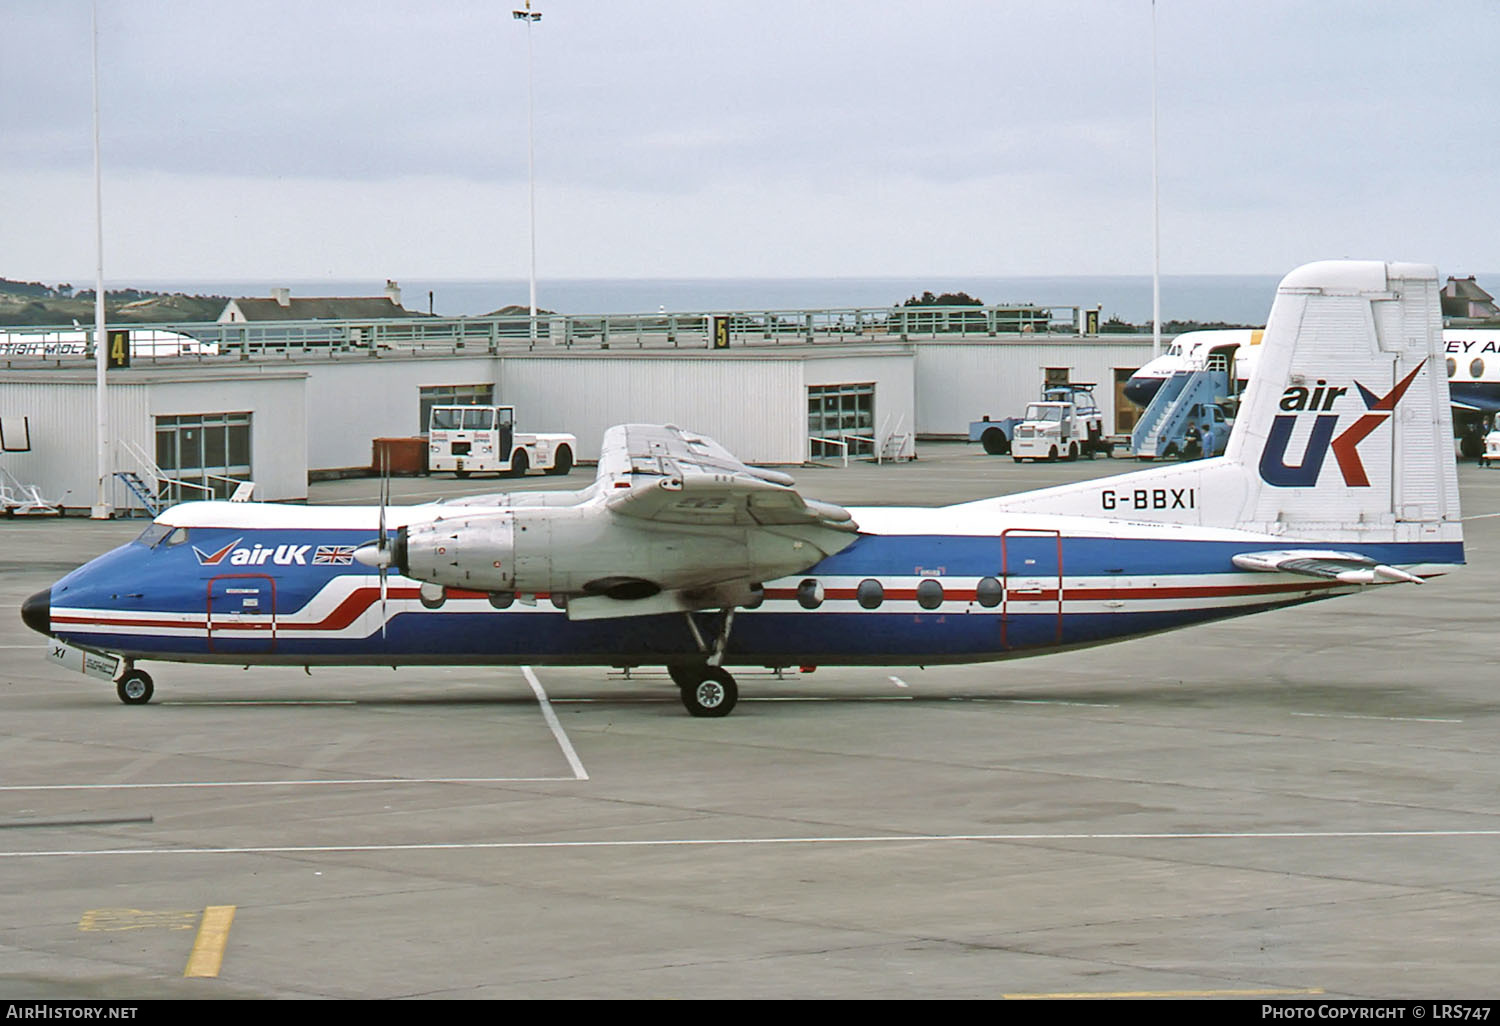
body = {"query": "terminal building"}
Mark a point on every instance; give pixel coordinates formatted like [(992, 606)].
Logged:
[(280, 401)]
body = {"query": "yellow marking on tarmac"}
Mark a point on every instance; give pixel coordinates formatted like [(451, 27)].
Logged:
[(213, 935), (1165, 994), (114, 920)]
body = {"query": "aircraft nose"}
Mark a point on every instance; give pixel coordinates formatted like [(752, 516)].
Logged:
[(1140, 390), (36, 612)]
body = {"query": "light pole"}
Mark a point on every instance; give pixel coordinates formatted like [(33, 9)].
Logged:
[(1155, 207), (102, 509), (530, 17)]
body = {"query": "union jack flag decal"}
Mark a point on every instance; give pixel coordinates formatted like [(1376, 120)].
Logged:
[(336, 555)]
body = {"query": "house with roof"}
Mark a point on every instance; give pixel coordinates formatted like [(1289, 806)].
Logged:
[(282, 306), (1463, 298)]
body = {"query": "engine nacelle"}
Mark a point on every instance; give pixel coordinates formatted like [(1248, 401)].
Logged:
[(587, 549)]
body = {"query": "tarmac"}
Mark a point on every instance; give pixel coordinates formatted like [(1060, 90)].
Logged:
[(1302, 804)]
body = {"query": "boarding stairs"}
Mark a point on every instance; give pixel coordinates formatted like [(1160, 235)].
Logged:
[(150, 487), (142, 492), (1163, 427)]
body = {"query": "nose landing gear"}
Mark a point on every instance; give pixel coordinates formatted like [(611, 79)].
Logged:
[(135, 687)]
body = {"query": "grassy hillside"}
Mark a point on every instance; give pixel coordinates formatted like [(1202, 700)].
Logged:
[(32, 303)]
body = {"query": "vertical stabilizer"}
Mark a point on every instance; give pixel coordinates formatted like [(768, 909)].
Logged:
[(1346, 427), (1345, 431)]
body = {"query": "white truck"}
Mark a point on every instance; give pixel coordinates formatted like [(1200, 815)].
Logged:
[(1066, 425), (464, 440)]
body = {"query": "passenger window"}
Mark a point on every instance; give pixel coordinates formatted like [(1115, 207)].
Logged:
[(929, 594), (989, 592), (1452, 366), (810, 594), (1476, 369), (870, 594)]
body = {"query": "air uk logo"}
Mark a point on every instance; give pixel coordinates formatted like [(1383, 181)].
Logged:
[(236, 554), (1299, 400)]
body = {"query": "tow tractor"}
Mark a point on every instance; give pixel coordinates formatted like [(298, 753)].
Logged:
[(464, 440), (998, 436), (1066, 424)]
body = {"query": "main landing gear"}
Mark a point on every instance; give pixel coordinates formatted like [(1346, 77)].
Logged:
[(706, 690)]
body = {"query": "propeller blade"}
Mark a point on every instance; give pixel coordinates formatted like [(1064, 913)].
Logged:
[(382, 544)]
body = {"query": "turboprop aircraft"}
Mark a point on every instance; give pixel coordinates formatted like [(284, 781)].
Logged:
[(1471, 363), (680, 555)]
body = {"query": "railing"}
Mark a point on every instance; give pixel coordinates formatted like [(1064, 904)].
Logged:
[(837, 443), (177, 343)]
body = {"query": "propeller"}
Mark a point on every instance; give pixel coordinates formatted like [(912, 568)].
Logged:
[(378, 554)]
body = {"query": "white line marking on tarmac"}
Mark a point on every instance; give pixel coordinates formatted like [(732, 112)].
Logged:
[(705, 842), (579, 773), (351, 782), (1388, 719)]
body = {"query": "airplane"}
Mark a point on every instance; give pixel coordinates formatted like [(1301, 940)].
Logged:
[(1472, 365), (680, 555)]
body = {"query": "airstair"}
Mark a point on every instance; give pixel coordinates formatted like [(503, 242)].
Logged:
[(1163, 427)]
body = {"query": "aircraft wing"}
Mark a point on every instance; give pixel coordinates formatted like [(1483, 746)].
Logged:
[(1345, 567), (664, 474)]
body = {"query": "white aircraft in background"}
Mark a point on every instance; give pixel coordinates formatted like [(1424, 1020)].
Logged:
[(680, 555), (1471, 364)]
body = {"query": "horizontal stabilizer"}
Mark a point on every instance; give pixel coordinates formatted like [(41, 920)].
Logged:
[(1344, 567)]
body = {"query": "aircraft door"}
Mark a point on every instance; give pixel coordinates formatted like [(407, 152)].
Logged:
[(241, 614), (1031, 572)]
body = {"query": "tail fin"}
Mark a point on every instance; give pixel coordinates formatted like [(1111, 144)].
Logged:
[(1345, 432)]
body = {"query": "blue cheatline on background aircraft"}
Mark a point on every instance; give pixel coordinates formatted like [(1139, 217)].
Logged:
[(1339, 475)]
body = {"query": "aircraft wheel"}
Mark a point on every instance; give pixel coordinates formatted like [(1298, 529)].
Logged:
[(685, 676), (994, 441), (712, 693), (135, 688)]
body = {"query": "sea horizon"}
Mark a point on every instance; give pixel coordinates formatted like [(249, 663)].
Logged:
[(1207, 298)]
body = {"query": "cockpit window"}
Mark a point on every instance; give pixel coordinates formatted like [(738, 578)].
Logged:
[(153, 534), (159, 534)]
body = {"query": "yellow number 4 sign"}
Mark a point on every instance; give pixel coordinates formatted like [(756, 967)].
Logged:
[(119, 349)]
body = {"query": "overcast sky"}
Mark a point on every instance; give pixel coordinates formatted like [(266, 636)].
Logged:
[(723, 138)]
